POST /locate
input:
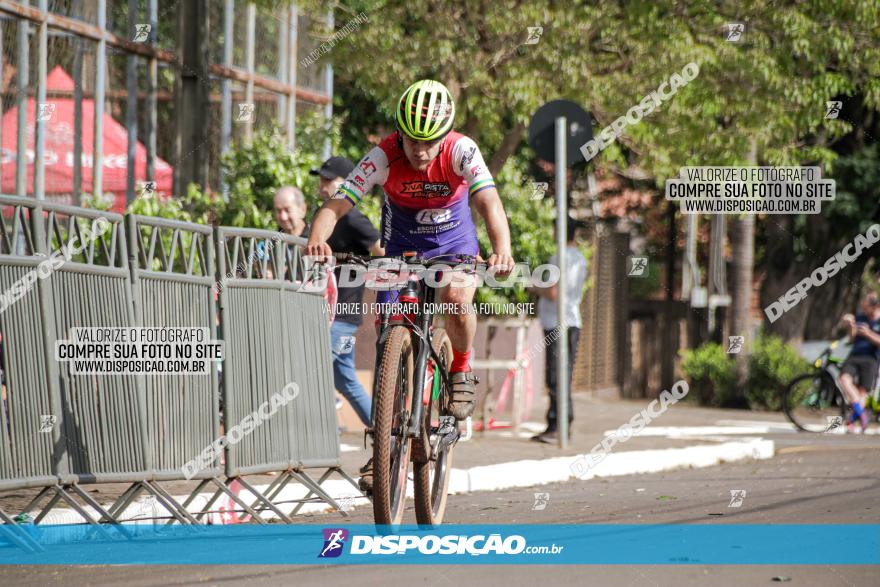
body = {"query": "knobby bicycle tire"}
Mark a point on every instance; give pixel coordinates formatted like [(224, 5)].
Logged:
[(827, 389), (431, 478), (392, 411)]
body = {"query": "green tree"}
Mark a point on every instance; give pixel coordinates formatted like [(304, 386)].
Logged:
[(765, 94)]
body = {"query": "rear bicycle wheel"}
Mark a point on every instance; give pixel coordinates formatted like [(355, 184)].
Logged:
[(813, 403), (391, 446), (431, 478)]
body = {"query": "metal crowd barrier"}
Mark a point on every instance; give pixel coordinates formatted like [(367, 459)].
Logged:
[(172, 273), (276, 334), (28, 458), (59, 431), (95, 426)]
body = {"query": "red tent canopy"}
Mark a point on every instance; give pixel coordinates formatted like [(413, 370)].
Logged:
[(58, 152)]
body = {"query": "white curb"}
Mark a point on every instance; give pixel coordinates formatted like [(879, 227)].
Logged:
[(525, 473)]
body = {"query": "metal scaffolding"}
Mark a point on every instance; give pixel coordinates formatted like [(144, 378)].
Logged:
[(90, 49)]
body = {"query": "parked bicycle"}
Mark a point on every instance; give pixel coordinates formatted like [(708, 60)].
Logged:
[(813, 402), (411, 393)]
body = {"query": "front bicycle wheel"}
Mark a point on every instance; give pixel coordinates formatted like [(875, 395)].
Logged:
[(431, 478), (391, 445), (813, 403)]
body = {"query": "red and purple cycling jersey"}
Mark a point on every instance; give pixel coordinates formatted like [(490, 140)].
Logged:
[(424, 211)]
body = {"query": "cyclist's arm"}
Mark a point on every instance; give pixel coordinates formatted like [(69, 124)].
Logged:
[(467, 161), (370, 171), (325, 221), (488, 204)]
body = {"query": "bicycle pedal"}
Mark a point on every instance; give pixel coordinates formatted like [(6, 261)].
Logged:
[(447, 425), (447, 434)]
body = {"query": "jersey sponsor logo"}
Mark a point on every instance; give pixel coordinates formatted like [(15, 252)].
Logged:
[(359, 180), (368, 167), (434, 216), (467, 158), (436, 228), (386, 223), (425, 189), (476, 170)]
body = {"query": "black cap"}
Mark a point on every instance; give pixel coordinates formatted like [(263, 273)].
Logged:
[(334, 167)]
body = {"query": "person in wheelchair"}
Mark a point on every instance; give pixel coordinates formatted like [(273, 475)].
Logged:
[(859, 372)]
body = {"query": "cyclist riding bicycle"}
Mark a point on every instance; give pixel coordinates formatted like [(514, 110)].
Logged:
[(859, 372), (428, 173)]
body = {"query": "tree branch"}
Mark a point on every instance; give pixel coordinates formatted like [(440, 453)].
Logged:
[(511, 141)]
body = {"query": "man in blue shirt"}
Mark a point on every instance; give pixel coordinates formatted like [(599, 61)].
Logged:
[(859, 372)]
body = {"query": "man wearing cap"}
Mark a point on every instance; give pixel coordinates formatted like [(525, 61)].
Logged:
[(353, 233)]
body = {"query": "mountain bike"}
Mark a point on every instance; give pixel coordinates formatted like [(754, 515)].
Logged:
[(814, 402), (411, 393)]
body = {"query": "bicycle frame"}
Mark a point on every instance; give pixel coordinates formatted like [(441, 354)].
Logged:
[(420, 331)]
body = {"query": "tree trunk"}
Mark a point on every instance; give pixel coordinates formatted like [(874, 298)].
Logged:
[(817, 316), (742, 244), (192, 99)]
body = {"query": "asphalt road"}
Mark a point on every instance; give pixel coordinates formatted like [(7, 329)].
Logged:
[(812, 480)]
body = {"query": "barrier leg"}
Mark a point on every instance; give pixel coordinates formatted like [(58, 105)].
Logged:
[(347, 477), (210, 503), (318, 490), (59, 491), (279, 484), (55, 499), (169, 503), (271, 491), (170, 508), (36, 500), (223, 487), (124, 500), (192, 497), (104, 514), (18, 535), (307, 496), (262, 498)]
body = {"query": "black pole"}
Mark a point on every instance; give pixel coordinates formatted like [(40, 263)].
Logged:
[(670, 331)]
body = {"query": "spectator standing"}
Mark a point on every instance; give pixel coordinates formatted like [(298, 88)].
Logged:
[(353, 233), (576, 275)]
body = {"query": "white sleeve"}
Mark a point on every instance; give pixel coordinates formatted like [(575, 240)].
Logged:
[(370, 171), (582, 269), (467, 161)]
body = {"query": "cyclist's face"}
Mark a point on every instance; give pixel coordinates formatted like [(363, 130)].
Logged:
[(421, 153)]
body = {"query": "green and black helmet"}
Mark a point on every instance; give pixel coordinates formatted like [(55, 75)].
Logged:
[(425, 111)]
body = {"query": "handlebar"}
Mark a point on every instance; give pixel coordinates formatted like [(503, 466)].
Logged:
[(445, 259)]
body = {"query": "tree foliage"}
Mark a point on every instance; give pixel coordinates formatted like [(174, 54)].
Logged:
[(767, 91)]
